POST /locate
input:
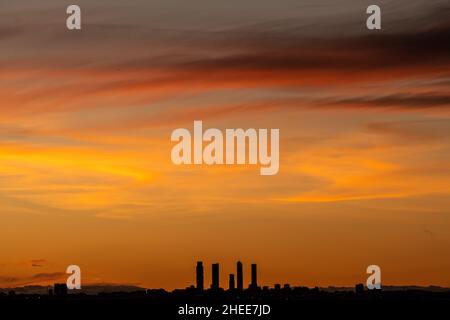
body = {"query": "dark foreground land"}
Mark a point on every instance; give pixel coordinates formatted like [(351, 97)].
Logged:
[(292, 304)]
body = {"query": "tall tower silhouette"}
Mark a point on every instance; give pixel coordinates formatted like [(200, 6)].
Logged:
[(254, 283), (200, 279), (240, 276), (231, 282), (215, 276)]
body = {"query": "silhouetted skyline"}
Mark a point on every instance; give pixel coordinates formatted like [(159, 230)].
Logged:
[(283, 301), (215, 277)]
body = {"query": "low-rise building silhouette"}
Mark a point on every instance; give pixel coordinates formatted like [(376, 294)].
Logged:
[(60, 289)]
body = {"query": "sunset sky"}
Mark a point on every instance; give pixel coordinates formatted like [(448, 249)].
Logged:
[(86, 117)]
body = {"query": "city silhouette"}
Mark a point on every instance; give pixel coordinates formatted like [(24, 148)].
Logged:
[(283, 300)]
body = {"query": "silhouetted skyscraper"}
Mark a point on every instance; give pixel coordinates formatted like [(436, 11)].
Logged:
[(240, 276), (215, 276), (231, 282), (200, 279), (254, 283)]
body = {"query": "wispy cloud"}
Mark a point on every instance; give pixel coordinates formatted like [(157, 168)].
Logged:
[(38, 262)]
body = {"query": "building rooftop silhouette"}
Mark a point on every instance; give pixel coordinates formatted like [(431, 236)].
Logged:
[(60, 289)]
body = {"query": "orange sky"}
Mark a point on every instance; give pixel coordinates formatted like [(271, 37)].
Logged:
[(85, 123)]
